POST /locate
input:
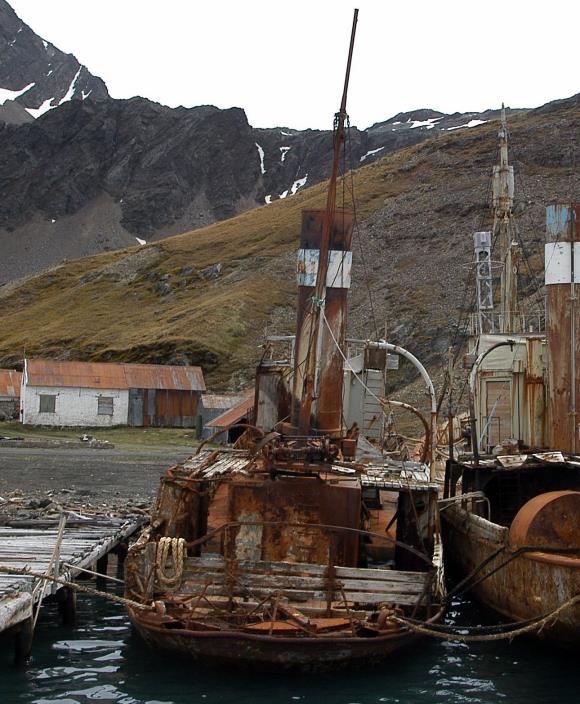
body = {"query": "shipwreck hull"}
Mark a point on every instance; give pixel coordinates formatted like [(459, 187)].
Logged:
[(530, 585), (272, 652)]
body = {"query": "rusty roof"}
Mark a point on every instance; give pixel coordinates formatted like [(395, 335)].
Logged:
[(223, 401), (161, 376), (109, 375), (234, 414), (10, 383)]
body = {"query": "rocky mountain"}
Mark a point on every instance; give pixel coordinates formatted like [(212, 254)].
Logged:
[(207, 296), (36, 75), (82, 173), (94, 176)]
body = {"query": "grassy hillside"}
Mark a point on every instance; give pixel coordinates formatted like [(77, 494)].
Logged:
[(416, 208)]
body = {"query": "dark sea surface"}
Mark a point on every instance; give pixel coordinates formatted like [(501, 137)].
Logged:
[(103, 661)]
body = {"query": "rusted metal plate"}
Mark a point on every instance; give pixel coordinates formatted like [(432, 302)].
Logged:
[(548, 520), (108, 375), (10, 381), (292, 502), (219, 401), (159, 376), (88, 375), (522, 589), (563, 328)]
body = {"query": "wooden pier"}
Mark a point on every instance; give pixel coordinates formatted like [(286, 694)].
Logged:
[(61, 549)]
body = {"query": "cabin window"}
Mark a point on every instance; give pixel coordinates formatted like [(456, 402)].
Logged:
[(105, 406), (47, 403)]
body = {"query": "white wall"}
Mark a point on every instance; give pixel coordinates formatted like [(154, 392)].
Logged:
[(74, 406)]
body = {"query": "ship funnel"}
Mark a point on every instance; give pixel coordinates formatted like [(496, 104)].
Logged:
[(562, 275)]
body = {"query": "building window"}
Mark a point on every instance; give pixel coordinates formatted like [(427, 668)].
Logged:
[(47, 403), (105, 406)]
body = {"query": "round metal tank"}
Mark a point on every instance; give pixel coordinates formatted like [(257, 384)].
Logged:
[(548, 520)]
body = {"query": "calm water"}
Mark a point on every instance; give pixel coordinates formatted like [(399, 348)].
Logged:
[(102, 661)]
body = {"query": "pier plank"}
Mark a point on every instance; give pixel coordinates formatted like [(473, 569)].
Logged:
[(30, 544)]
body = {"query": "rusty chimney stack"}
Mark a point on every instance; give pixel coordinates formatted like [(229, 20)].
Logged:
[(562, 275), (327, 402)]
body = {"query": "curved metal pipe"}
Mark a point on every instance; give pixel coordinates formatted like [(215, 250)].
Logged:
[(397, 349), (421, 417), (472, 377)]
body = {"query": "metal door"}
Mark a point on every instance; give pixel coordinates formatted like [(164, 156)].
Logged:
[(136, 407)]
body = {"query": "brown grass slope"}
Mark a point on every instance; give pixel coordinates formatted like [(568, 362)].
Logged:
[(416, 211)]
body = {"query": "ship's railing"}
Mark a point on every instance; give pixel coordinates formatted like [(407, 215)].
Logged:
[(490, 322)]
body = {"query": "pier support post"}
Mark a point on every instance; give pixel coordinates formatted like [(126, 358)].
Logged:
[(67, 606), (23, 641), (121, 551), (102, 564)]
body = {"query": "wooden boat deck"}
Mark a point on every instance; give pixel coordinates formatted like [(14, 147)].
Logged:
[(30, 544)]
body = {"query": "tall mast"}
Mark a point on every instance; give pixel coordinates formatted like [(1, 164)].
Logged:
[(503, 201), (306, 368)]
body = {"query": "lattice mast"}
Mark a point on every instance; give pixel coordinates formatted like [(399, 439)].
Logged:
[(504, 233)]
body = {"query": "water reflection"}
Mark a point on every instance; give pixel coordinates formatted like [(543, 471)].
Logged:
[(103, 661)]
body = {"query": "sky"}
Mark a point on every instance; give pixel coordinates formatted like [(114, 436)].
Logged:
[(284, 62)]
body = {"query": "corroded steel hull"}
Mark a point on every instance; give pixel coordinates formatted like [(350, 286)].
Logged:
[(272, 652), (529, 586)]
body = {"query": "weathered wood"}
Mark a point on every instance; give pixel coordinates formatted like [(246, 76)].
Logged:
[(300, 595), (217, 563), (29, 544), (23, 640), (252, 579)]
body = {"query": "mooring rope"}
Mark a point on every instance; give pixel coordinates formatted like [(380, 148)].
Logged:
[(444, 633), (26, 572), (165, 546)]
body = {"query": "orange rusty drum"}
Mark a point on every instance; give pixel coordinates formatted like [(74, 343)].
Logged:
[(548, 520)]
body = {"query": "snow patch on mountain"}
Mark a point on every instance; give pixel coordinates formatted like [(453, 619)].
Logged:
[(71, 89), (6, 94), (370, 153), (261, 153), (48, 103), (298, 184), (471, 123), (283, 152), (45, 107), (427, 124)]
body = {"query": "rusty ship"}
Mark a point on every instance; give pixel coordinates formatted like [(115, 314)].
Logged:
[(302, 546), (511, 506)]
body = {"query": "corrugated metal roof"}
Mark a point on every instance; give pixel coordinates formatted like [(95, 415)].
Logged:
[(234, 414), (159, 376), (10, 383), (223, 401), (109, 375)]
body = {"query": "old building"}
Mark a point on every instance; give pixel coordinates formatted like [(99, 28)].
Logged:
[(106, 394), (213, 405), (10, 381), (241, 411)]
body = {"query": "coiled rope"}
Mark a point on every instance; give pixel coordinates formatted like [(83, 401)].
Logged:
[(176, 548)]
